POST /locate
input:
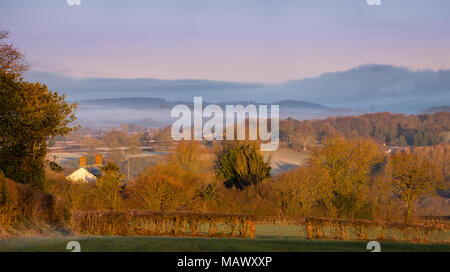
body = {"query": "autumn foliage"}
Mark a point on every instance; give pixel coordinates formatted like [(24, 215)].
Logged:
[(139, 223), (21, 204)]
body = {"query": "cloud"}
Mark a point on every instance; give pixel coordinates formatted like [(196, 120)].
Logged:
[(172, 90), (387, 87)]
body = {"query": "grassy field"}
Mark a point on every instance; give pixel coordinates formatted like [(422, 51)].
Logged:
[(170, 244), (269, 238), (284, 159)]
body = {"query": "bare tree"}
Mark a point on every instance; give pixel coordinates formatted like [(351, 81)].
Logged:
[(11, 59)]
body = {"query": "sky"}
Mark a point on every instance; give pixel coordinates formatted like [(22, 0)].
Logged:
[(264, 41)]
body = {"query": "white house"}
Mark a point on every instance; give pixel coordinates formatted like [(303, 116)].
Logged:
[(84, 175), (87, 174)]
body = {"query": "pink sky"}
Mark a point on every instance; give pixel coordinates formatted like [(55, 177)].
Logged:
[(255, 41)]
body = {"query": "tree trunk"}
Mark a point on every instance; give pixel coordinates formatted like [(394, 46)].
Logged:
[(408, 211)]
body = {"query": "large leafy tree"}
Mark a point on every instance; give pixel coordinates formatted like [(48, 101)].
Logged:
[(413, 177), (348, 165), (30, 115), (242, 166)]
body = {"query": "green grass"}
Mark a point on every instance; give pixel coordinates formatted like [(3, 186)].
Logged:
[(268, 238), (171, 244)]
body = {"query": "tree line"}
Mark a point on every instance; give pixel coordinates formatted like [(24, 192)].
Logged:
[(386, 128)]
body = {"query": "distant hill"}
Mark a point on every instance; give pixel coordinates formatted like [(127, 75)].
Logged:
[(155, 112), (150, 102), (382, 87), (129, 102), (437, 109), (293, 104)]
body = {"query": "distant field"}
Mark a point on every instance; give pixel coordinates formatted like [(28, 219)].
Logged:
[(269, 238), (284, 159)]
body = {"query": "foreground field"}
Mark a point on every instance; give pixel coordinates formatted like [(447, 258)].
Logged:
[(169, 244), (268, 238), (277, 238)]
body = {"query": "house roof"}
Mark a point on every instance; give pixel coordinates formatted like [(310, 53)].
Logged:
[(94, 170), (84, 174)]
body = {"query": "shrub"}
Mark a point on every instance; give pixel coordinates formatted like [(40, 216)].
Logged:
[(108, 186), (243, 165), (24, 204)]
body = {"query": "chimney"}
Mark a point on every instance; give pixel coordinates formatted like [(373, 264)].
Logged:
[(98, 160), (83, 161)]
